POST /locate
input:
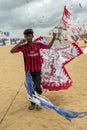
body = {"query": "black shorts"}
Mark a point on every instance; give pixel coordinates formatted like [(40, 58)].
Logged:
[(37, 81)]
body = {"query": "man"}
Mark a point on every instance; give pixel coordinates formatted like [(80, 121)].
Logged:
[(32, 58)]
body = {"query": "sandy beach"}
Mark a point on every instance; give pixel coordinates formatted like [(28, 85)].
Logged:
[(14, 113)]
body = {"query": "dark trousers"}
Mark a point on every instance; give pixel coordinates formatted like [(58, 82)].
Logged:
[(37, 82)]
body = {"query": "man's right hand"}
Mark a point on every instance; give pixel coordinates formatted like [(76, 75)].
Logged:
[(22, 41)]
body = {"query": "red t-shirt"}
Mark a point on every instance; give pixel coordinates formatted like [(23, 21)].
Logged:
[(32, 58)]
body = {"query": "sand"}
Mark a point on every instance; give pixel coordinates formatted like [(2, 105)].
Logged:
[(14, 113)]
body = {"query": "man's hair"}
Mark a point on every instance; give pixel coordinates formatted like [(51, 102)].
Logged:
[(28, 31)]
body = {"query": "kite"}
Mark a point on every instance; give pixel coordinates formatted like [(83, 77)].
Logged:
[(79, 3), (54, 74), (85, 51), (75, 29), (44, 102), (41, 40)]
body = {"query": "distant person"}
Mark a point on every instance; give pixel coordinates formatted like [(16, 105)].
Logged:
[(32, 58)]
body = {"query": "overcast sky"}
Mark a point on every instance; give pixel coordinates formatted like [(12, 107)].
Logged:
[(40, 15)]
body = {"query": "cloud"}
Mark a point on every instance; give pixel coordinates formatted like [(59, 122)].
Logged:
[(8, 5), (41, 15)]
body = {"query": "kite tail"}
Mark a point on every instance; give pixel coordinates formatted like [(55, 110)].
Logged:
[(69, 114), (65, 113), (44, 102), (29, 84)]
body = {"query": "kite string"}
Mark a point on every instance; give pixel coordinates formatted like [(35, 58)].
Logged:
[(10, 104)]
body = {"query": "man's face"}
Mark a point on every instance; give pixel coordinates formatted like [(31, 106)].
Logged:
[(29, 37)]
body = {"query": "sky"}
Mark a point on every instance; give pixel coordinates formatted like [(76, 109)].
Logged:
[(40, 15)]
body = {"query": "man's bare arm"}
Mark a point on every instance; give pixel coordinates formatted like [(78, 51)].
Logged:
[(13, 50), (52, 41)]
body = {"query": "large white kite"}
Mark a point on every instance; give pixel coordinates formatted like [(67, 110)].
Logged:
[(54, 74)]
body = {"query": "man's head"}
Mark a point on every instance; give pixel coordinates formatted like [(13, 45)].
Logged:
[(28, 34)]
